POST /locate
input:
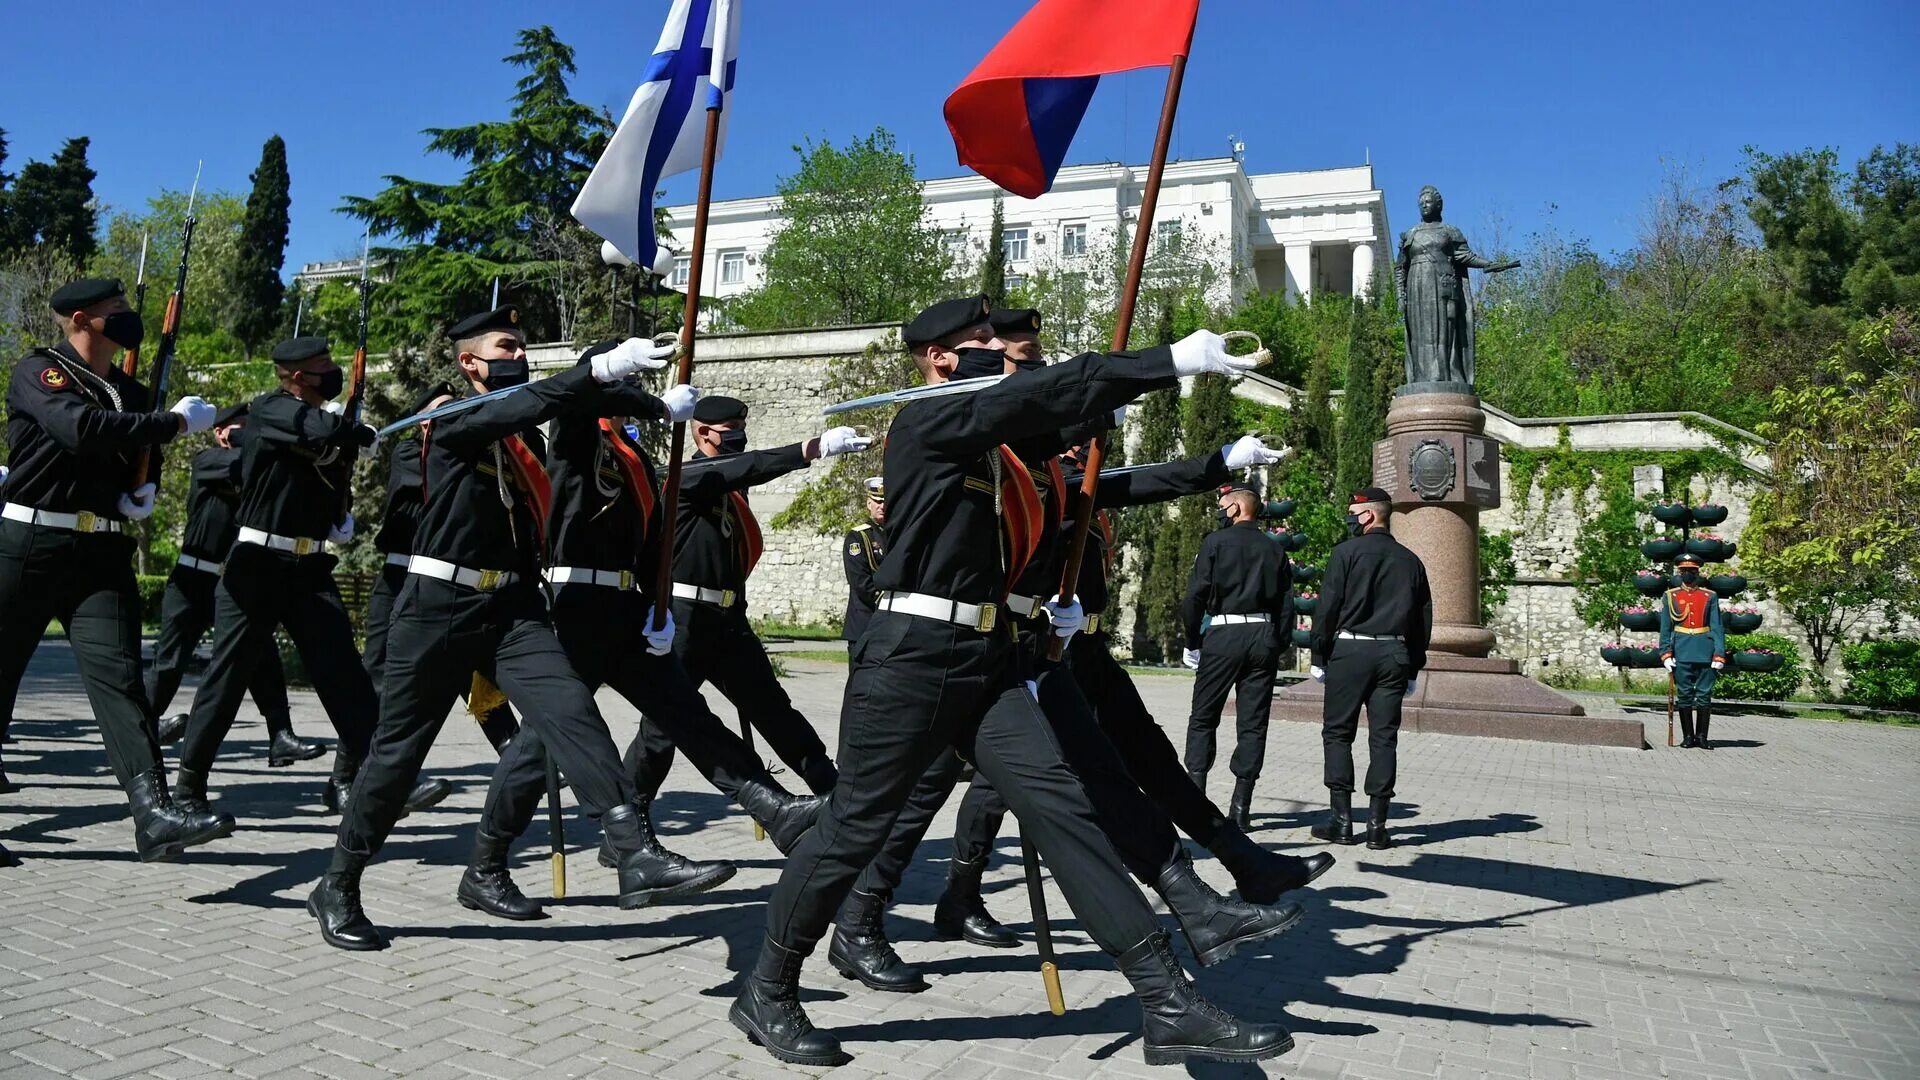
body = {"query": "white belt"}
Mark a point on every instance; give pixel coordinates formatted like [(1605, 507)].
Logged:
[(397, 559), (482, 580), (204, 565), (1025, 606), (83, 522), (582, 575), (1235, 620), (1351, 636), (718, 597), (977, 616), (299, 545)]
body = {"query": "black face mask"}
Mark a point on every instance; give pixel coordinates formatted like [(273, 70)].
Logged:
[(504, 373), (979, 363), (733, 442), (1354, 527), (125, 329), (1029, 365), (1222, 517), (1689, 576), (328, 384)]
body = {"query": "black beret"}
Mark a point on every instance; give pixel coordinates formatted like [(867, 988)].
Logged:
[(86, 292), (944, 318), (419, 404), (230, 414), (719, 409), (1369, 495), (1020, 320), (294, 350), (503, 318), (1688, 559)]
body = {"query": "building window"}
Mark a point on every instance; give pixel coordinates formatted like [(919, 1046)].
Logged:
[(1014, 243), (1014, 281), (682, 271), (733, 267), (1166, 235), (1073, 240)]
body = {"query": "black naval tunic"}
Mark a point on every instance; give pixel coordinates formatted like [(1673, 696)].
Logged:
[(187, 606), (603, 512), (1239, 572), (481, 517), (919, 685), (73, 439), (297, 457), (864, 546), (714, 532), (1373, 587)]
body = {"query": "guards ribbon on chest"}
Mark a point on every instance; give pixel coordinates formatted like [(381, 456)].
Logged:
[(531, 478), (1020, 515), (633, 473), (747, 535)]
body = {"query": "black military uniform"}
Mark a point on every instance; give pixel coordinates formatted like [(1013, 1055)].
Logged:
[(74, 436), (1241, 590), (603, 553), (1370, 636), (936, 670), (473, 602), (716, 543), (864, 546), (186, 607)]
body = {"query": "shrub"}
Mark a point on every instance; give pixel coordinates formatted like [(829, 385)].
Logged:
[(1883, 674), (152, 587), (1756, 686)]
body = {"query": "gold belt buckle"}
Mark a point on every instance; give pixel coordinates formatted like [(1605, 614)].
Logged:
[(726, 598), (988, 616), (490, 580), (626, 579), (302, 546), (1092, 625), (84, 521)]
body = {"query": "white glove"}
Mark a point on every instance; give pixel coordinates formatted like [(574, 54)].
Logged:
[(1667, 663), (1190, 658), (1718, 664), (659, 642), (342, 532), (1413, 686), (3, 473), (1120, 418), (371, 445), (680, 399), (1204, 351), (1248, 451), (843, 440), (195, 411), (1033, 689), (336, 407), (1319, 673), (137, 506), (1067, 618), (630, 356)]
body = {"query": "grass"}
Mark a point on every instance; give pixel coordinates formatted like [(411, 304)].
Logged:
[(774, 628), (832, 656)]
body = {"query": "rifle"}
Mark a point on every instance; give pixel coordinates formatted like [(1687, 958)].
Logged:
[(357, 384), (1669, 708), (131, 362), (146, 466)]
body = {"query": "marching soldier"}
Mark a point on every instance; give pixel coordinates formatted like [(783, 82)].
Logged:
[(186, 608), (1241, 591), (76, 425), (865, 545), (1693, 647), (715, 546), (1370, 636), (933, 671)]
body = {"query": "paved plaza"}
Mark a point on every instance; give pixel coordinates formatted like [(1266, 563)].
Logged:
[(1549, 911)]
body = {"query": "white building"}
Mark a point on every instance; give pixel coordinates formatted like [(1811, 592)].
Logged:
[(1302, 232)]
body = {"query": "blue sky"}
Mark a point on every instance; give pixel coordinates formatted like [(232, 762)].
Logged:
[(1522, 112)]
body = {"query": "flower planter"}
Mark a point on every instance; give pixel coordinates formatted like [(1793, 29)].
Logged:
[(1727, 584), (1298, 541), (1671, 513), (1708, 514), (1650, 583), (1707, 547), (1728, 549), (1281, 509), (1640, 620), (1306, 572), (1758, 662), (1741, 622), (1614, 655), (1662, 550), (1305, 604), (1643, 658), (1303, 639)]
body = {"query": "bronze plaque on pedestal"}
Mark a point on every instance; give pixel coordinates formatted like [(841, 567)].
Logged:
[(1438, 468)]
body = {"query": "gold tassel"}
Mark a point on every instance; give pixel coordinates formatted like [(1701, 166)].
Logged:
[(483, 697)]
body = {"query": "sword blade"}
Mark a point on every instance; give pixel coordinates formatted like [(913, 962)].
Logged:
[(914, 393), (449, 409)]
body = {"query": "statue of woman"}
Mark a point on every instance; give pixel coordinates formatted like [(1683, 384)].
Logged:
[(1435, 300)]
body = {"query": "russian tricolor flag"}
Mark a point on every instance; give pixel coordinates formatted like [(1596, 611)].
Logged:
[(1014, 116)]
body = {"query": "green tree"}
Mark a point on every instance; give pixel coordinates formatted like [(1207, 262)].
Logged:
[(993, 268), (1886, 189), (1363, 406), (855, 242), (254, 287), (52, 203), (837, 500), (1795, 202)]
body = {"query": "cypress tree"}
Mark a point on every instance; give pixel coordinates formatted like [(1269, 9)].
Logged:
[(52, 203), (253, 279), (993, 271), (1363, 410)]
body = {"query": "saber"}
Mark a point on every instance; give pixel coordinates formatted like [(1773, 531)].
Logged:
[(915, 393), (1042, 928), (450, 409)]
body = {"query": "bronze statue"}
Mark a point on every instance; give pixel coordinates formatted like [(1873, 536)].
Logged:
[(1436, 302)]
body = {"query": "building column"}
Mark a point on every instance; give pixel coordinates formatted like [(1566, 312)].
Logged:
[(1299, 270), (1363, 270)]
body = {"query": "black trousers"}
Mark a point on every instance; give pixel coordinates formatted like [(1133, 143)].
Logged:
[(918, 687), (438, 636), (499, 725), (1240, 659), (186, 614), (1373, 674), (599, 628), (719, 647), (85, 581), (260, 590)]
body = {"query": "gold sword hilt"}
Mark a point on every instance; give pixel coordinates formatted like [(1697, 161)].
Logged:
[(559, 875)]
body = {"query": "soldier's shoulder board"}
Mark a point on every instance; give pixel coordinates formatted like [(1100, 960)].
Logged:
[(863, 527)]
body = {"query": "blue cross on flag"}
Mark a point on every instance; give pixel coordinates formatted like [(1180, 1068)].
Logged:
[(664, 129)]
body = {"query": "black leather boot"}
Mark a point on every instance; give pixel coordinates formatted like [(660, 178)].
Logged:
[(784, 816), (285, 747), (1338, 828), (653, 872), (488, 885), (1180, 1024), (1706, 719), (162, 830), (860, 949), (190, 798), (962, 914), (768, 1011), (1377, 837), (1262, 875), (1217, 927), (1687, 738), (335, 901), (1240, 809), (1199, 779), (819, 774), (172, 727), (339, 789)]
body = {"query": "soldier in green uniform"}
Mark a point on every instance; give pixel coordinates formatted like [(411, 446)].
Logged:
[(1693, 646)]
